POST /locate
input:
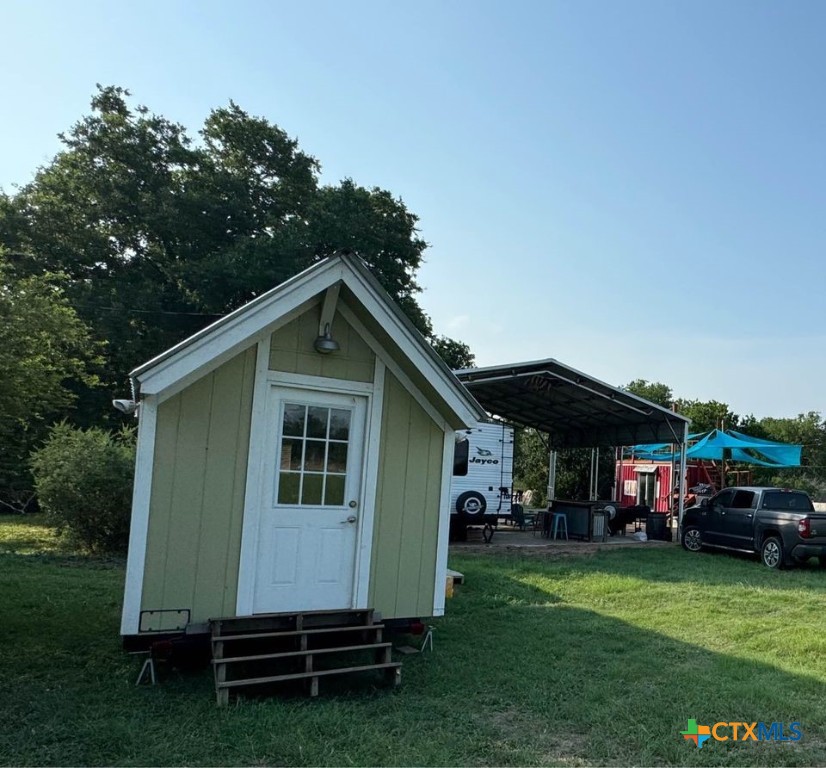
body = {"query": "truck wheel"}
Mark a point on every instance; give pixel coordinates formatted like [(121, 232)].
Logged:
[(471, 504), (771, 553), (692, 539)]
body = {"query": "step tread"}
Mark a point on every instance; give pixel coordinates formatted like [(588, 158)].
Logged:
[(297, 632), (309, 652), (289, 614), (305, 675)]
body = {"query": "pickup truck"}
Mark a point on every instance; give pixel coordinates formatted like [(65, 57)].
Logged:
[(779, 524)]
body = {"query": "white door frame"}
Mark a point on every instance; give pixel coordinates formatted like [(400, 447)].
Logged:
[(264, 379)]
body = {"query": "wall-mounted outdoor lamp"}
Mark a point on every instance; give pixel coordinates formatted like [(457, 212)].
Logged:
[(325, 343)]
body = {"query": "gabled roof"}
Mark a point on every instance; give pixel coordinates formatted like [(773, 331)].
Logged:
[(576, 410), (209, 348)]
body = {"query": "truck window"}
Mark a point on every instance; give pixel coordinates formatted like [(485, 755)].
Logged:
[(460, 458), (743, 500), (723, 498), (796, 502)]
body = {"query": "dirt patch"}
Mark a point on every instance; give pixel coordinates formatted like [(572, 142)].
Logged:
[(524, 543), (553, 747)]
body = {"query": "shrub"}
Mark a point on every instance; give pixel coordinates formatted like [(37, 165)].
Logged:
[(83, 480)]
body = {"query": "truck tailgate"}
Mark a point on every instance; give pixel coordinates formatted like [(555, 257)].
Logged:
[(817, 528)]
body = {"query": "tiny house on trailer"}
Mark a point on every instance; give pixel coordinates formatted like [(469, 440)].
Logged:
[(482, 475), (650, 483), (294, 456)]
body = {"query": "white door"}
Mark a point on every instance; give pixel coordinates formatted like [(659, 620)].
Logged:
[(310, 501)]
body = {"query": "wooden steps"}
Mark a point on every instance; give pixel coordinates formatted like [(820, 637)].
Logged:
[(269, 649)]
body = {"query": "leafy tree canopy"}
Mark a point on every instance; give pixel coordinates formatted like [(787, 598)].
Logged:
[(654, 391), (455, 353), (45, 352), (708, 415), (160, 233)]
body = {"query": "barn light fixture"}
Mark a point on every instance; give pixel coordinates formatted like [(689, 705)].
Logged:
[(325, 343)]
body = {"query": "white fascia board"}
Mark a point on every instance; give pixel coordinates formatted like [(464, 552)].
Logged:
[(440, 576), (139, 523), (452, 391), (222, 340)]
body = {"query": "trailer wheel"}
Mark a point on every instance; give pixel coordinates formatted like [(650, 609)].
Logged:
[(471, 504)]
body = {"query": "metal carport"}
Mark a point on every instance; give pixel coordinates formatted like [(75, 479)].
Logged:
[(574, 409)]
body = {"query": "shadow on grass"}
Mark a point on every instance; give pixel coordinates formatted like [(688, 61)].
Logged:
[(581, 686), (519, 676), (666, 564)]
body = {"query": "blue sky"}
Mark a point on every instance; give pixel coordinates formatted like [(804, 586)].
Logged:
[(634, 188)]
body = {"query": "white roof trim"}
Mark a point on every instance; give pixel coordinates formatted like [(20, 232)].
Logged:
[(206, 350)]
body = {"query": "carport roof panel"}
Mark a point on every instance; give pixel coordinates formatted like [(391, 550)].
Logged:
[(576, 410)]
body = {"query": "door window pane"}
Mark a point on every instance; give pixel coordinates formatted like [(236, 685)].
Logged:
[(314, 455), (291, 453), (288, 486), (312, 488), (334, 496), (317, 421), (337, 457), (314, 452), (339, 424), (294, 419)]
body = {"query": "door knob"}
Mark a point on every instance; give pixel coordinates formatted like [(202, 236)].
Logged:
[(352, 519)]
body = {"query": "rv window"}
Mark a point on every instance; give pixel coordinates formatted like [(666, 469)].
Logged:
[(460, 458)]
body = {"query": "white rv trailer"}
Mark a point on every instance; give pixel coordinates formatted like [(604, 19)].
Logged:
[(480, 491)]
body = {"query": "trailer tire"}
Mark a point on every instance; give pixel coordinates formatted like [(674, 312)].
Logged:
[(471, 504)]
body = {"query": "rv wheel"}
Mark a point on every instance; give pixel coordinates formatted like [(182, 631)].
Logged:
[(471, 504)]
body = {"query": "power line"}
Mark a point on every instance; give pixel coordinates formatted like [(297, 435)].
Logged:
[(146, 311)]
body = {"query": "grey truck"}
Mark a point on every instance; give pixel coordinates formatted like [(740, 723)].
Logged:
[(779, 524)]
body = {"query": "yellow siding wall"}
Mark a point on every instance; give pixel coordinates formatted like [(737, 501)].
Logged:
[(407, 507), (197, 499), (200, 465), (291, 350)]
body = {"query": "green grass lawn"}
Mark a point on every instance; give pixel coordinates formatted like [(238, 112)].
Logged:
[(574, 661)]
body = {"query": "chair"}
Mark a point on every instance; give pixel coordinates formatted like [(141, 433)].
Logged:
[(520, 519)]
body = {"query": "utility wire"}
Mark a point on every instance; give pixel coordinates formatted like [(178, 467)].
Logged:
[(147, 311)]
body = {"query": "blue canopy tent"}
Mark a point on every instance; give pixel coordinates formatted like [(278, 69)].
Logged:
[(721, 445), (713, 446)]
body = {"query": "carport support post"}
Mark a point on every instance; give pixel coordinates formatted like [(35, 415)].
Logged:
[(683, 480), (593, 490), (551, 475)]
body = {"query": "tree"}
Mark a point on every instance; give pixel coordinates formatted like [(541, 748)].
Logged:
[(808, 430), (456, 354), (160, 234), (530, 463), (708, 415), (656, 392), (84, 484), (44, 350), (573, 468)]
